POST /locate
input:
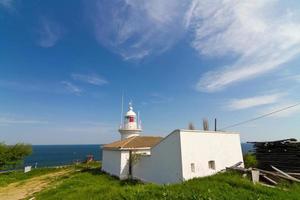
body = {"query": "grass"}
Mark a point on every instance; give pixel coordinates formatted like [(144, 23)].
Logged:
[(18, 176), (90, 183)]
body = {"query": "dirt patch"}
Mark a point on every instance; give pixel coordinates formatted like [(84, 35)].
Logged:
[(21, 190)]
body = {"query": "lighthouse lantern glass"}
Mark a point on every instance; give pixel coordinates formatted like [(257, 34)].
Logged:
[(131, 119)]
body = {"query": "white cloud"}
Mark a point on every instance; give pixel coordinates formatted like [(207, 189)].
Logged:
[(239, 104), (93, 79), (49, 33), (70, 87), (135, 29), (257, 34)]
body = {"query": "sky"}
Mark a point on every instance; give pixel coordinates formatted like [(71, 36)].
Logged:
[(65, 65)]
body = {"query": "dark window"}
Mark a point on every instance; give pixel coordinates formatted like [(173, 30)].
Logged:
[(192, 167), (211, 164)]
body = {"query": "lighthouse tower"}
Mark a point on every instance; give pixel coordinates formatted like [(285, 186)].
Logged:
[(130, 127)]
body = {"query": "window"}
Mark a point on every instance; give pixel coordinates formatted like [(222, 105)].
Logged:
[(192, 167), (131, 119), (212, 164)]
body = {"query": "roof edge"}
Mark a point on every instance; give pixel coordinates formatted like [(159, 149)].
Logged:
[(203, 131), (126, 149)]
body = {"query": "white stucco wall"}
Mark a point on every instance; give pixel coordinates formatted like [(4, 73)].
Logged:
[(164, 163), (200, 147), (127, 134), (111, 162), (124, 170), (115, 162), (170, 160)]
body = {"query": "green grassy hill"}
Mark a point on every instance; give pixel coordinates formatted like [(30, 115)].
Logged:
[(90, 183), (19, 176)]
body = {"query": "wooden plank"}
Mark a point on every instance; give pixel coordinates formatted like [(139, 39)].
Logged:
[(240, 169), (237, 164), (293, 174), (276, 175), (270, 180), (285, 174)]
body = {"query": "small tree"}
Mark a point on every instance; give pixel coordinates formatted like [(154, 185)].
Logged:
[(205, 125), (250, 160), (191, 126), (133, 159), (3, 155), (13, 155)]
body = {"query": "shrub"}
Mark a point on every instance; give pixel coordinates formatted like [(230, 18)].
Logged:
[(13, 155), (250, 160)]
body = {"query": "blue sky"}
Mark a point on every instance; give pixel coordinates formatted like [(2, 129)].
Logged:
[(64, 66)]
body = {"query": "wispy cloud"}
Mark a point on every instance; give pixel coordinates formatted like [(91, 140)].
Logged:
[(136, 29), (11, 121), (283, 114), (295, 77), (239, 104), (257, 34), (90, 126), (41, 87), (6, 3), (19, 85), (156, 98), (93, 79), (87, 132), (72, 88), (49, 33)]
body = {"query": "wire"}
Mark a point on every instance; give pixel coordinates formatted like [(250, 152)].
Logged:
[(259, 117)]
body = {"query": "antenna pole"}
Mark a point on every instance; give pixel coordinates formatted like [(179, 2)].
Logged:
[(122, 110), (215, 124), (138, 119)]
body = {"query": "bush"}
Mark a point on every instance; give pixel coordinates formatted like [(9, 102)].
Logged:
[(13, 155), (250, 160)]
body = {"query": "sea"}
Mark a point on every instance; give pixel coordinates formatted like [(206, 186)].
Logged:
[(57, 155)]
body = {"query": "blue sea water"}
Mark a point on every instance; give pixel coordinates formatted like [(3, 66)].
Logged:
[(55, 155), (247, 147)]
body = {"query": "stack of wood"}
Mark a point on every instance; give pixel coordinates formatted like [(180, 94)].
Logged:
[(264, 177), (282, 154)]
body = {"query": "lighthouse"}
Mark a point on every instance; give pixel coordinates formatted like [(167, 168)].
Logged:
[(130, 127), (181, 155)]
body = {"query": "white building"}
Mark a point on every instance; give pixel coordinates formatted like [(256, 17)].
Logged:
[(180, 156)]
